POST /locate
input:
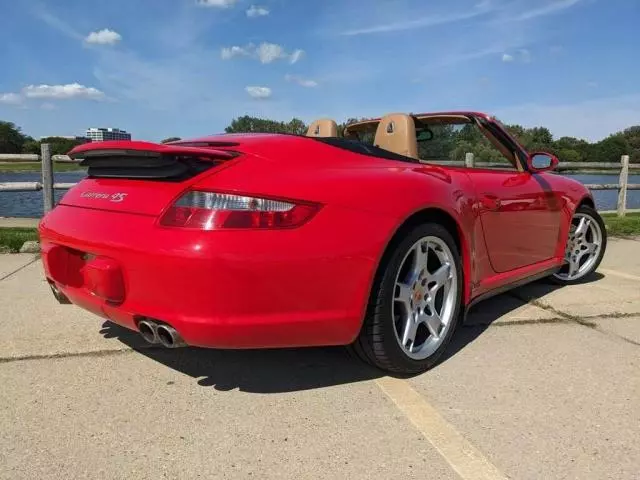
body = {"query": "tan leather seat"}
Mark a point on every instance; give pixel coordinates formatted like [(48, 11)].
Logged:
[(396, 133), (324, 127)]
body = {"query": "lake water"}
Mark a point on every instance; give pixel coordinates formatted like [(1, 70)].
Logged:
[(29, 204)]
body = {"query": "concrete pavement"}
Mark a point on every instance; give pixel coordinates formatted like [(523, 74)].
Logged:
[(541, 383)]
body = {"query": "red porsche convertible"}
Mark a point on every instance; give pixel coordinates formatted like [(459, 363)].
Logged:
[(372, 239)]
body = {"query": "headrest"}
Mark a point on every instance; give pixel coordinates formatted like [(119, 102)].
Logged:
[(324, 127), (396, 133)]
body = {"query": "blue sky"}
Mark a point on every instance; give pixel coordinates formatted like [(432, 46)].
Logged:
[(187, 67)]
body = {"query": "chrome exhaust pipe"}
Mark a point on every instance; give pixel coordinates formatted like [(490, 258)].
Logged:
[(59, 296), (149, 331), (169, 337)]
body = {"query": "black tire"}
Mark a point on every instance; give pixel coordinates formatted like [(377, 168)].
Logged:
[(591, 212), (376, 343)]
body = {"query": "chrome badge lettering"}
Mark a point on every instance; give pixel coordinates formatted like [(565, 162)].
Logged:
[(113, 197), (118, 197)]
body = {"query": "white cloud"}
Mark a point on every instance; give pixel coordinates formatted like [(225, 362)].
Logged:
[(254, 11), (303, 82), (259, 92), (62, 92), (103, 37), (268, 52), (235, 51), (10, 98), (48, 106), (296, 56), (216, 3), (523, 55), (427, 21), (555, 6), (265, 53)]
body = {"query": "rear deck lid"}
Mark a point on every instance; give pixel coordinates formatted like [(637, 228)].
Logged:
[(139, 177)]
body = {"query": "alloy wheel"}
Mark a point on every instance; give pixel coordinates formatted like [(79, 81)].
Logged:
[(424, 301), (583, 248)]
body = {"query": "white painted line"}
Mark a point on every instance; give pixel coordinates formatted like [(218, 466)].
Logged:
[(468, 462), (615, 273)]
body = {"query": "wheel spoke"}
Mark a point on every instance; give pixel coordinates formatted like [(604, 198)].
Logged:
[(420, 261), (574, 266), (433, 323), (592, 247), (440, 277), (583, 226), (404, 296), (409, 331)]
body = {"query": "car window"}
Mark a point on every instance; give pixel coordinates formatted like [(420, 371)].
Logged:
[(440, 141)]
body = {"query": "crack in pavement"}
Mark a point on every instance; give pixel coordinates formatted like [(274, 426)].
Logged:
[(19, 269), (576, 319), (91, 353), (561, 318)]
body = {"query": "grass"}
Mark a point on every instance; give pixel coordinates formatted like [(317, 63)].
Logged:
[(36, 167), (622, 226), (12, 238)]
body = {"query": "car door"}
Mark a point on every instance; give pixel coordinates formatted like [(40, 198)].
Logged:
[(519, 211), (520, 217)]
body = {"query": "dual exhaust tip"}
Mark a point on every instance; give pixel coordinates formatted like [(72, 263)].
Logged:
[(154, 332)]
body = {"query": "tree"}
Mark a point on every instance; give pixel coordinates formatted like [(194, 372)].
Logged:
[(11, 138), (31, 146), (296, 126), (611, 148), (248, 124), (170, 139), (61, 145)]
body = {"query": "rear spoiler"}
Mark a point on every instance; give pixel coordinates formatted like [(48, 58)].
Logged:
[(144, 149), (147, 160)]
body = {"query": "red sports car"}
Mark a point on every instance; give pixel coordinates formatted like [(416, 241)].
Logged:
[(372, 239)]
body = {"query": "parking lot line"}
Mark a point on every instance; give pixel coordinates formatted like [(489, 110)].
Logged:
[(467, 461), (615, 273)]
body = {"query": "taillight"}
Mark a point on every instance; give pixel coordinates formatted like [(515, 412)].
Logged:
[(213, 211)]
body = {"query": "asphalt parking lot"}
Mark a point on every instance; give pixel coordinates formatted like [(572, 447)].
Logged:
[(540, 383)]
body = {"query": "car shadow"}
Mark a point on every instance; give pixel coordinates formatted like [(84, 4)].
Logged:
[(255, 371), (295, 369), (482, 315)]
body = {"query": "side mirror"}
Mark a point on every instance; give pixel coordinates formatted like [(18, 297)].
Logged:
[(541, 161)]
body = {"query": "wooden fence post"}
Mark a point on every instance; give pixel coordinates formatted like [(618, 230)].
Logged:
[(468, 160), (622, 192), (47, 176)]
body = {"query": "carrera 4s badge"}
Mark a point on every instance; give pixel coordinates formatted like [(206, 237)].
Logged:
[(112, 197)]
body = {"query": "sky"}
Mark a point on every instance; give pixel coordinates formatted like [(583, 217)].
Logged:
[(160, 68)]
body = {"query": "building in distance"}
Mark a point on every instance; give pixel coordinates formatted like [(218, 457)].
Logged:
[(104, 134)]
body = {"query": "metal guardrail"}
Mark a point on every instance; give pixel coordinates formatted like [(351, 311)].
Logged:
[(48, 186)]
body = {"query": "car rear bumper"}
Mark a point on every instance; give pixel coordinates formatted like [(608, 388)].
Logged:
[(223, 289)]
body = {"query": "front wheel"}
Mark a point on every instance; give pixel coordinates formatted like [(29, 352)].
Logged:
[(415, 303), (585, 247)]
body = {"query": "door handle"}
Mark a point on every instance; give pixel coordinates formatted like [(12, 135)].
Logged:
[(490, 202)]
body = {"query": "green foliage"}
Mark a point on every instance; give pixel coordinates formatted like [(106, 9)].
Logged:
[(11, 138), (60, 145), (13, 238), (259, 125), (622, 226)]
